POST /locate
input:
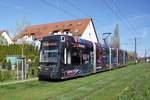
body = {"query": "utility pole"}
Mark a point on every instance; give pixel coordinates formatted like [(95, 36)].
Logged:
[(145, 55), (135, 55)]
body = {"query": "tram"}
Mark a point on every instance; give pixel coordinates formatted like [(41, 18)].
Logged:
[(63, 56)]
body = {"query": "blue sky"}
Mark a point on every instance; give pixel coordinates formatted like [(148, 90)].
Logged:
[(134, 15)]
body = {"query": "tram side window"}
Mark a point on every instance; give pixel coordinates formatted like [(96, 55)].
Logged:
[(86, 58), (75, 57)]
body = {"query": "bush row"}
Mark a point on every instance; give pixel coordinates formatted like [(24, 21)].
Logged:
[(6, 75), (29, 50)]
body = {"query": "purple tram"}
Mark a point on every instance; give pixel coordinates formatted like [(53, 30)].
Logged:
[(63, 56)]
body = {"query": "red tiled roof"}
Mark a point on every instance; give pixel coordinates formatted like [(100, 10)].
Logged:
[(76, 27)]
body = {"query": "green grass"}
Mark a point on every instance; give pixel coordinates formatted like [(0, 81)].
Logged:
[(128, 83)]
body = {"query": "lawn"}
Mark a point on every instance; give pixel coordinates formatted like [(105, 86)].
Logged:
[(131, 82)]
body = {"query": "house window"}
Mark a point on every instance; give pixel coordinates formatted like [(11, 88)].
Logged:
[(89, 34)]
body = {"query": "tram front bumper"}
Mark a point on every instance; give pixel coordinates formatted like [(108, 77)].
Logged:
[(48, 73)]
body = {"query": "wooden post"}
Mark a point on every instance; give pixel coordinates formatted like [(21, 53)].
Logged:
[(17, 70), (22, 60), (25, 69), (22, 75)]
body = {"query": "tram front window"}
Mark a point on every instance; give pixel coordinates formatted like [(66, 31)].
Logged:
[(49, 55)]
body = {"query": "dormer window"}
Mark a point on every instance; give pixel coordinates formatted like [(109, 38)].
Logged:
[(44, 28), (76, 30), (66, 31), (56, 31), (80, 23), (65, 26)]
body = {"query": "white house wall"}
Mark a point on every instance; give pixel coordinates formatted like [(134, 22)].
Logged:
[(5, 35), (89, 33), (29, 40)]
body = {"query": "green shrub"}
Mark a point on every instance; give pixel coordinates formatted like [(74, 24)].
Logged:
[(33, 71), (6, 75), (131, 62)]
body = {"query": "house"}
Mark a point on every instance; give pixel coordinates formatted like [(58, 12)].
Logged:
[(83, 28), (5, 39)]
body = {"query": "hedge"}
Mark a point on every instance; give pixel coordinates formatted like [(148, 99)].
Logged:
[(8, 50), (6, 75)]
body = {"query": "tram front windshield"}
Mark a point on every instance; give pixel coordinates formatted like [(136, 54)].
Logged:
[(49, 54)]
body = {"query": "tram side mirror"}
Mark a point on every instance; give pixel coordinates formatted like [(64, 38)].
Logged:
[(62, 39)]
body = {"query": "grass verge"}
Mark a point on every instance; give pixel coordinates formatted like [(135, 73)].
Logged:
[(131, 82)]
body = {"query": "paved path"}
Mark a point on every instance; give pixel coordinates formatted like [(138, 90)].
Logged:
[(19, 81)]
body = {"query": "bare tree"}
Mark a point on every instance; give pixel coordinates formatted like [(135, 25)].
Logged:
[(19, 32), (20, 27)]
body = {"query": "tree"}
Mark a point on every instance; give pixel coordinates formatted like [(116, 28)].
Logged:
[(20, 28), (4, 63), (131, 55), (9, 65)]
